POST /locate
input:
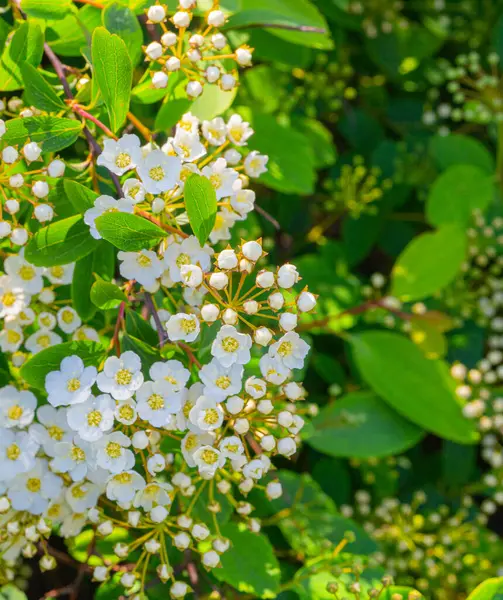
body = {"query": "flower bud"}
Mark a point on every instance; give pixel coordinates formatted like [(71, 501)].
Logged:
[(227, 259), (218, 280), (306, 301), (156, 13), (154, 50), (209, 313), (265, 279)]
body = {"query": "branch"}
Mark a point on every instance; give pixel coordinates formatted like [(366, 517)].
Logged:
[(161, 332), (302, 28)]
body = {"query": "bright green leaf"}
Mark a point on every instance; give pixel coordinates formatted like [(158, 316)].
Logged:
[(212, 102), (457, 149), (122, 21), (46, 9), (106, 295), (52, 133), (27, 45), (81, 286), (201, 205), (81, 197), (491, 589), (128, 232), (38, 91)]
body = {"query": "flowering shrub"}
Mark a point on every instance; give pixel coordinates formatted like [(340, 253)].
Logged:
[(250, 296)]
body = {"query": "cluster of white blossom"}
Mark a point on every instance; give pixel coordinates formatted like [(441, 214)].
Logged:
[(201, 57)]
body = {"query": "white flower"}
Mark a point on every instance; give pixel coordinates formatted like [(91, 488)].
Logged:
[(290, 350), (133, 190), (187, 145), (23, 274), (230, 346), (231, 447), (82, 496), (287, 276), (221, 177), (17, 453), (207, 414), (254, 469), (74, 457), (255, 387), (183, 327), (223, 223), (238, 131), (60, 274), (17, 408), (220, 382), (208, 460), (189, 252), (13, 298), (215, 131), (103, 205), (52, 428), (155, 402), (144, 266), (124, 486), (154, 494), (113, 454), (192, 275), (121, 377), (42, 339), (255, 164), (158, 172), (68, 319), (71, 384), (11, 337), (125, 412), (86, 334), (192, 442), (92, 418), (273, 370), (172, 372), (47, 320), (121, 155), (32, 491), (243, 202)]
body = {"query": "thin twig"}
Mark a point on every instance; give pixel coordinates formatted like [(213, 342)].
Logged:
[(161, 332), (302, 28), (267, 216)]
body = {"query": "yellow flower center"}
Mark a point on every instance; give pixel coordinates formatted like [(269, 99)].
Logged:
[(13, 337), (33, 485), (188, 325), (15, 412), (45, 321), (123, 377), (182, 259), (190, 442), (114, 450), (73, 384), (67, 316), (13, 452), (156, 173), (79, 491), (77, 454), (215, 180), (144, 261), (44, 341), (171, 380), (223, 382), (80, 335), (285, 349), (187, 125), (94, 418), (236, 133), (8, 299), (210, 457), (133, 192), (126, 412), (211, 416), (156, 402), (187, 408), (123, 478), (54, 511), (55, 432), (230, 344), (26, 272), (123, 160), (57, 272), (232, 448)]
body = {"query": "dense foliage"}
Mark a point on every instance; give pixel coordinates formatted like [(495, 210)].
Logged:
[(251, 299)]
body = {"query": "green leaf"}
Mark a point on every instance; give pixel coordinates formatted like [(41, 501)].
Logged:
[(114, 72), (170, 113), (293, 13), (81, 286), (361, 425), (491, 589), (138, 327), (60, 243), (429, 263), (321, 142), (81, 197), (311, 584), (106, 295), (212, 102), (419, 389), (129, 232), (46, 9), (456, 149), (68, 36), (38, 91), (201, 205), (11, 592), (291, 159), (122, 21), (52, 133), (456, 193), (27, 45), (36, 369), (250, 565), (148, 354)]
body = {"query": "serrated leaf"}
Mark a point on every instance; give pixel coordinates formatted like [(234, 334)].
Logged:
[(38, 91), (106, 295), (81, 197), (52, 133), (46, 9), (417, 388), (35, 370), (201, 206), (27, 45), (60, 243), (419, 272), (128, 232), (114, 73), (361, 425)]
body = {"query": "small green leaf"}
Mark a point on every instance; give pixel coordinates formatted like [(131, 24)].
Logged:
[(27, 45), (139, 328), (60, 243), (129, 232), (81, 197), (81, 286), (417, 388), (491, 589), (201, 205), (122, 21), (419, 272), (170, 113), (457, 149), (250, 564), (457, 192), (52, 133), (38, 91), (46, 9), (106, 295), (36, 369), (114, 73), (361, 425), (11, 592)]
